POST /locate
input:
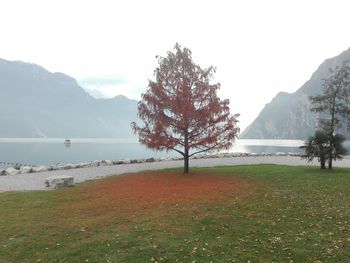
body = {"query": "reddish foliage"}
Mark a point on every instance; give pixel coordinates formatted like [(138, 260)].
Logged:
[(181, 110), (160, 190)]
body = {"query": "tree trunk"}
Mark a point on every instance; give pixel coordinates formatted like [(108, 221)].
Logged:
[(186, 155), (330, 163), (186, 163), (330, 160), (323, 163)]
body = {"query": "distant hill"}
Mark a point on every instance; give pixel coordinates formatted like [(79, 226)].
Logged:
[(95, 93), (288, 115), (37, 103)]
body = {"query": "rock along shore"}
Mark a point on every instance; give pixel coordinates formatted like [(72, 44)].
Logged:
[(25, 169)]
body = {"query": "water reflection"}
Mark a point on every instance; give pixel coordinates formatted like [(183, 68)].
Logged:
[(267, 146)]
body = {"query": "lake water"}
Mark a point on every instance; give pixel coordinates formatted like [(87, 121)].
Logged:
[(29, 151)]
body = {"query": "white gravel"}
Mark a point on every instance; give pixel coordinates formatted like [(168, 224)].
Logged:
[(36, 181)]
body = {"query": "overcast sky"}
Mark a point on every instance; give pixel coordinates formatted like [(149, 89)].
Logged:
[(259, 47)]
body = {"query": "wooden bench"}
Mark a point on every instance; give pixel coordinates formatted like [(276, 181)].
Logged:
[(59, 181)]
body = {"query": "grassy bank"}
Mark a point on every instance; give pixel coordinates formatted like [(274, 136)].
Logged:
[(260, 213)]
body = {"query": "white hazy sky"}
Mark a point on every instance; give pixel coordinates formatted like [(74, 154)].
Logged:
[(259, 47)]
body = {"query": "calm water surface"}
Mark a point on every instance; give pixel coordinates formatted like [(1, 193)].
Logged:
[(30, 151)]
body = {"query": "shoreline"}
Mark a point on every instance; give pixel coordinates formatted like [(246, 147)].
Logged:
[(17, 168), (36, 181)]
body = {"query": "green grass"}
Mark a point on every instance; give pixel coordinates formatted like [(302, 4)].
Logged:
[(290, 214)]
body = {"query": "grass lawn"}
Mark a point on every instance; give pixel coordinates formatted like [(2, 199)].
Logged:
[(258, 213)]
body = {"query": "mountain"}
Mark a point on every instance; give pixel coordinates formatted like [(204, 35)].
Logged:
[(37, 103), (288, 115), (95, 93)]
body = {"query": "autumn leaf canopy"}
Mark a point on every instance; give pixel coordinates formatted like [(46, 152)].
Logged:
[(181, 110)]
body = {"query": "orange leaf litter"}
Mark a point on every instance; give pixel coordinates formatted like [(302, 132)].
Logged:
[(161, 189)]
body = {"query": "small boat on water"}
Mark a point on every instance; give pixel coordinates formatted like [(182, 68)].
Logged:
[(67, 141)]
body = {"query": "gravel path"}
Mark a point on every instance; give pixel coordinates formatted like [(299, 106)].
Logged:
[(36, 181)]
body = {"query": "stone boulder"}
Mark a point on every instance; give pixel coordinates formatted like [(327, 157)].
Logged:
[(83, 165), (67, 166), (95, 163), (25, 169), (12, 171), (281, 154), (106, 162), (59, 181), (38, 169)]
